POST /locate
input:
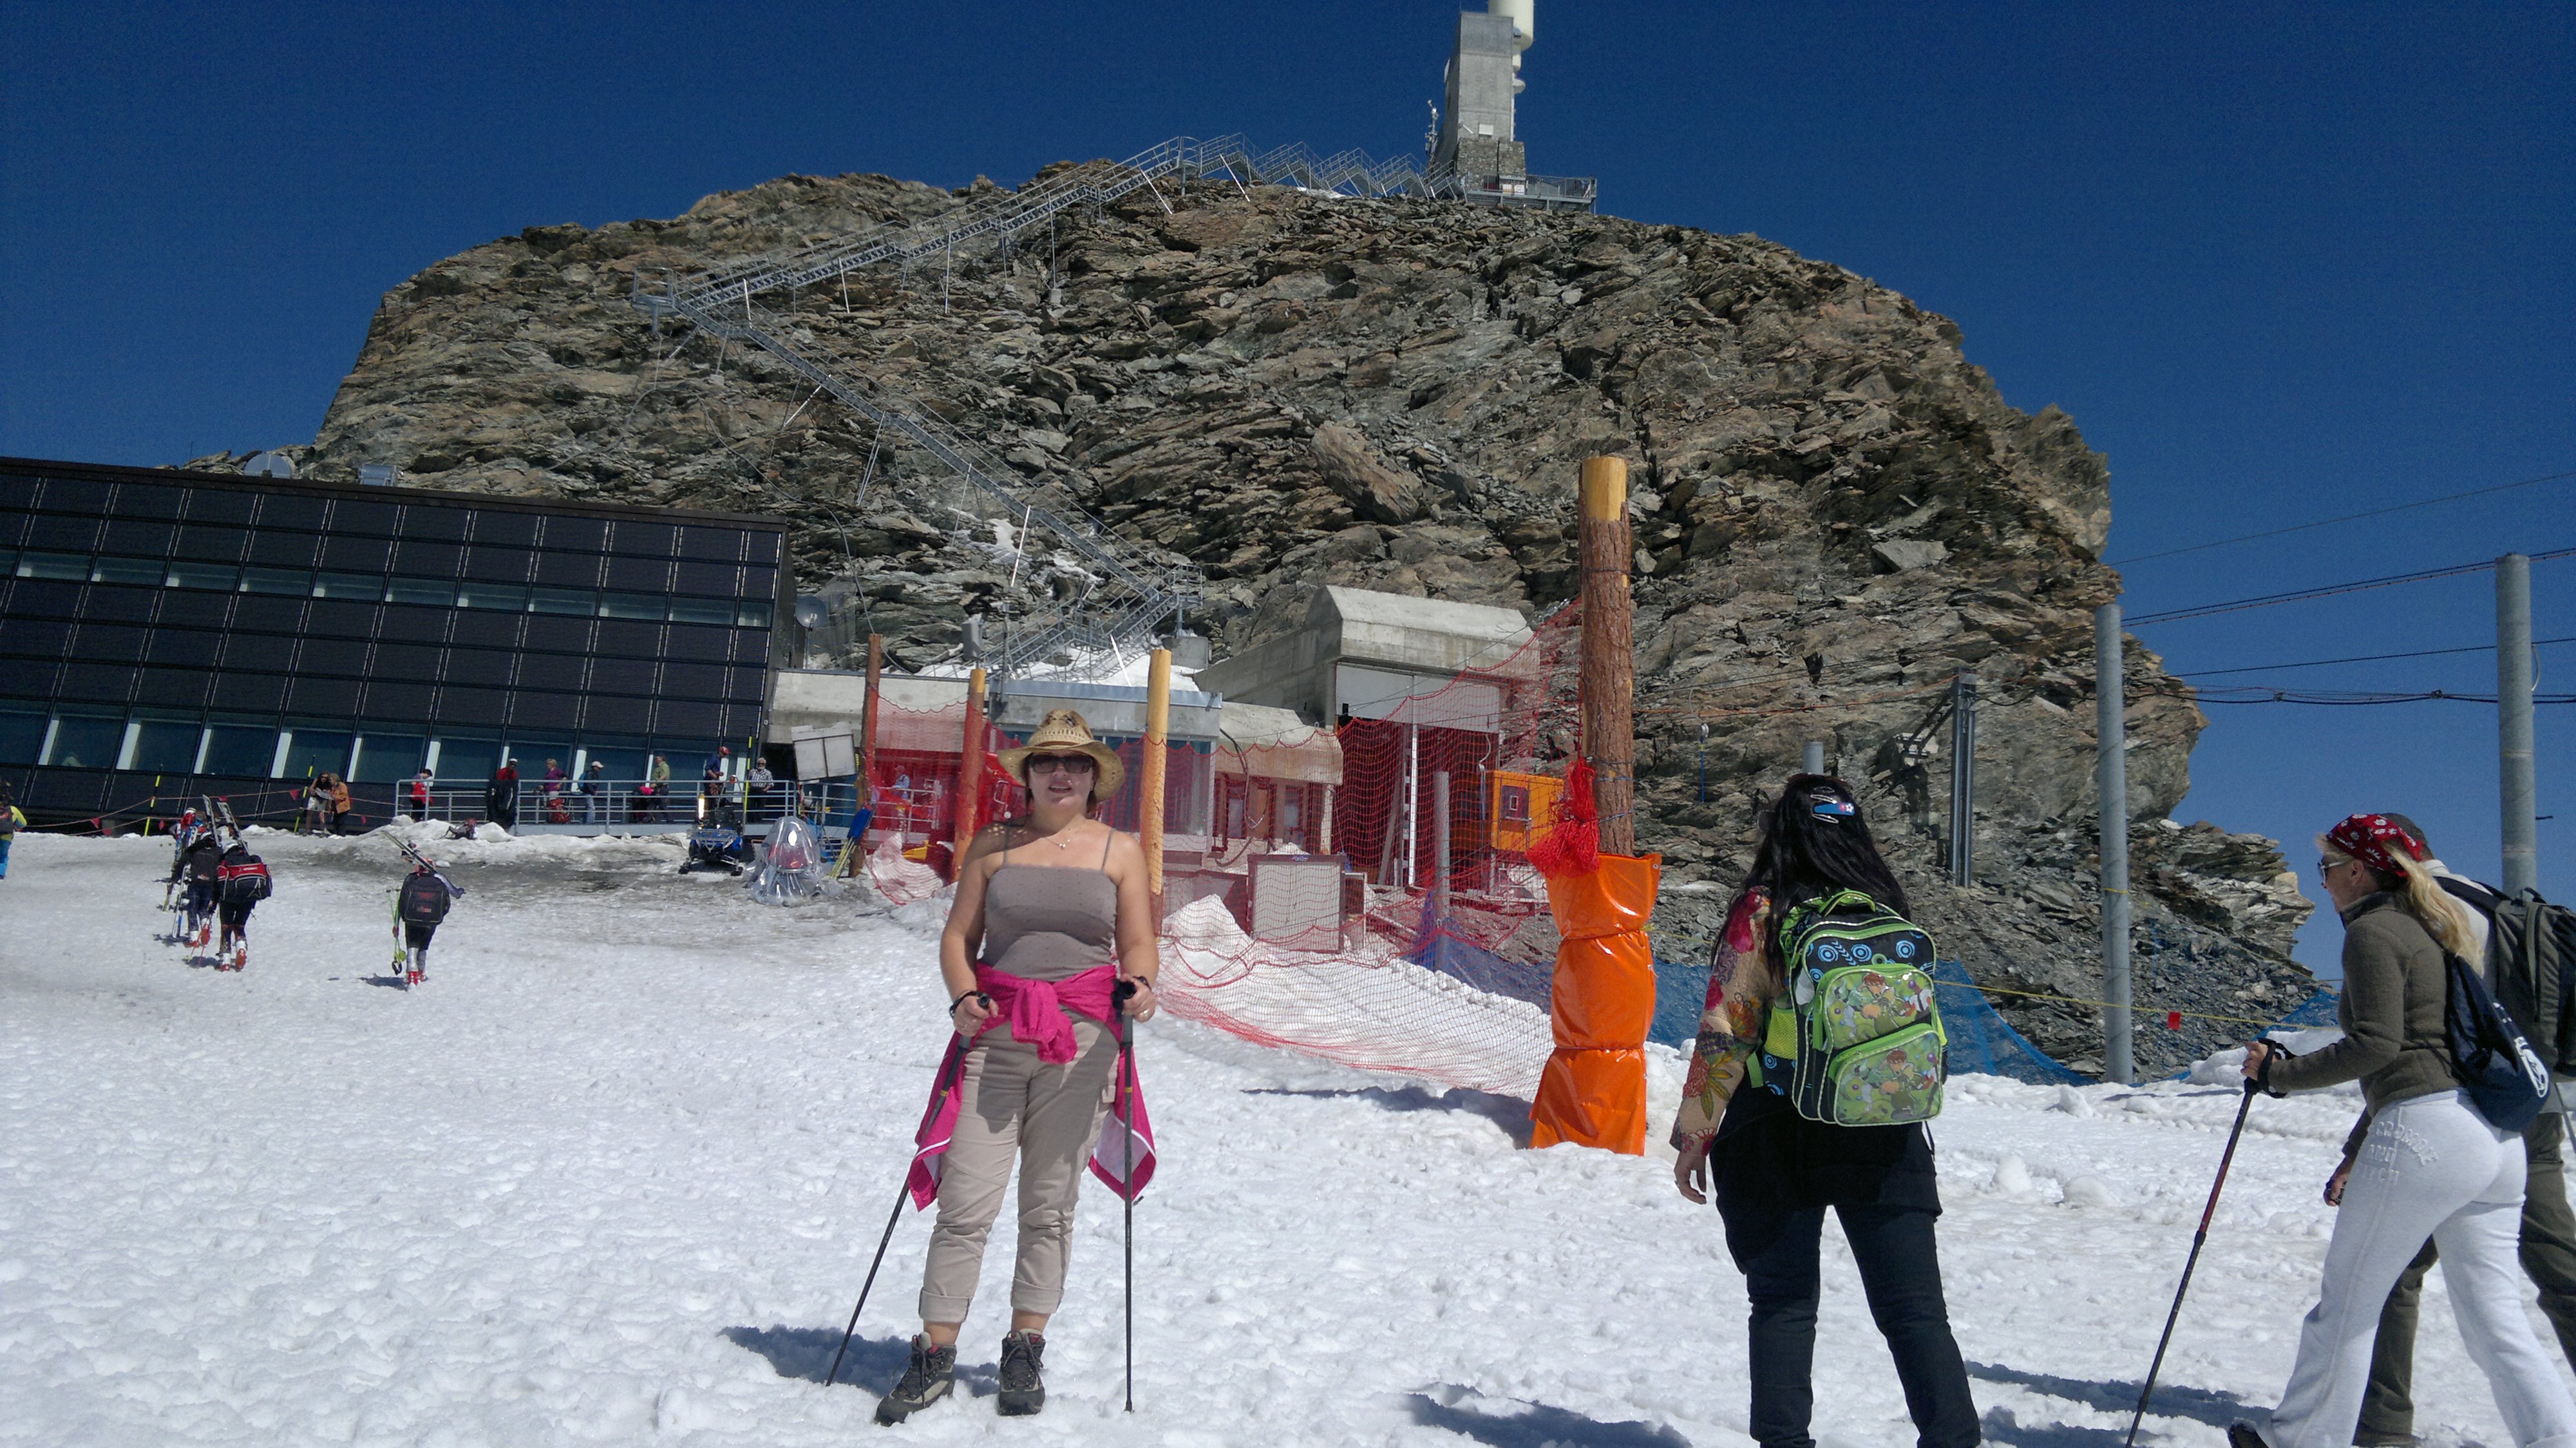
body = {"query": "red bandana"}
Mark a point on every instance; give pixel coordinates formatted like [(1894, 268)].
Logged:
[(2371, 838)]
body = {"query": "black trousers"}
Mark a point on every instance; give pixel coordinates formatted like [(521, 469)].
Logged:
[(1900, 1270)]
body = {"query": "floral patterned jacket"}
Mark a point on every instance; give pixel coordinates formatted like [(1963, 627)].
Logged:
[(1740, 991)]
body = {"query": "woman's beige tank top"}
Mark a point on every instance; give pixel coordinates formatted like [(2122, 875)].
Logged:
[(1050, 922)]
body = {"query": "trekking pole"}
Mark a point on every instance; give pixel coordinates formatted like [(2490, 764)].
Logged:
[(1127, 1177), (2197, 1238), (903, 1189)]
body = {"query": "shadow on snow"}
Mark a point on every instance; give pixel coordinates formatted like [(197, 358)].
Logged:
[(2172, 1400), (1534, 1425), (873, 1363), (1508, 1112)]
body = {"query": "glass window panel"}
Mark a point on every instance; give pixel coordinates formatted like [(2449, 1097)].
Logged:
[(421, 590), (576, 601), (631, 605), (82, 742), (221, 577), (509, 597), (127, 570), (166, 746), (365, 586), (460, 760), (291, 581), (701, 610), (8, 562), (71, 567), (621, 763), (241, 749), (752, 615), (22, 736), (386, 758), (316, 751)]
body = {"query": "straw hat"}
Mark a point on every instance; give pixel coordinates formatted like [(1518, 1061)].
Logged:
[(1063, 732)]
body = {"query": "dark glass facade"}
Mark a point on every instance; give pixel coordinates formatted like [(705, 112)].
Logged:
[(165, 633)]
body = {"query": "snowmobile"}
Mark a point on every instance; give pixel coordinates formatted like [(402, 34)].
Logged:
[(717, 845)]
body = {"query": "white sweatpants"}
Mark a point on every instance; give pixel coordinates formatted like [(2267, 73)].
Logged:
[(2431, 1167)]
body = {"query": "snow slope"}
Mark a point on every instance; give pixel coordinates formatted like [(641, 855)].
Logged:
[(613, 1176)]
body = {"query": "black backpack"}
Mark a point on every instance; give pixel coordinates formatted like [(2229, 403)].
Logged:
[(424, 899), (2504, 1080), (245, 877), (2531, 959)]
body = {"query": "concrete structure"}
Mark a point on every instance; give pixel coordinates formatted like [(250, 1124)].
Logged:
[(1478, 142), (1366, 655)]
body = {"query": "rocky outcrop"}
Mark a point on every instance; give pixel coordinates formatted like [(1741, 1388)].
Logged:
[(1835, 511)]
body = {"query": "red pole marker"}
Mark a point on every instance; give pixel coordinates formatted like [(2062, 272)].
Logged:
[(2173, 1020)]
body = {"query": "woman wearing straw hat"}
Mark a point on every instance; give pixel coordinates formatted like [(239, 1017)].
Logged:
[(1052, 920)]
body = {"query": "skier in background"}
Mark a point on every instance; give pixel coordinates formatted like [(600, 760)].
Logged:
[(419, 789), (501, 800), (419, 906), (182, 835), (241, 881), (205, 863)]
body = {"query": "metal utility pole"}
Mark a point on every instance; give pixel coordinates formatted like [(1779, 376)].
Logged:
[(1814, 760), (1440, 844), (2111, 767), (1609, 651), (1963, 779), (1149, 803), (2513, 724)]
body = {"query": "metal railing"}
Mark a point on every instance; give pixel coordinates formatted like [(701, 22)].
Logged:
[(635, 806)]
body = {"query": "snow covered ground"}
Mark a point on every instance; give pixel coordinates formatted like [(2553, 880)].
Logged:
[(613, 1175)]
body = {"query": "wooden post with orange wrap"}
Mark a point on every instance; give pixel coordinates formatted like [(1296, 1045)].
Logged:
[(1601, 892)]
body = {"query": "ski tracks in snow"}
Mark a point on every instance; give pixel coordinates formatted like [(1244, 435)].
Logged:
[(613, 1174)]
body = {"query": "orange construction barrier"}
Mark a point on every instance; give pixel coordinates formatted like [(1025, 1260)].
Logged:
[(1593, 1092)]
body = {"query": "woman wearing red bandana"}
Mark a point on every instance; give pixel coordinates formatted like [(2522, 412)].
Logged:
[(2430, 1165), (1052, 921)]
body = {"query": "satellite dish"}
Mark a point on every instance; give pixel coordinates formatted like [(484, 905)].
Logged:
[(268, 465), (811, 611)]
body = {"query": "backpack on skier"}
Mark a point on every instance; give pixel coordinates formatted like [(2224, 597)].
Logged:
[(243, 877), (423, 901), (2531, 960), (1855, 1038)]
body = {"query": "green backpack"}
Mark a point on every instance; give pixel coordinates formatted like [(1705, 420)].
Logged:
[(1856, 1038)]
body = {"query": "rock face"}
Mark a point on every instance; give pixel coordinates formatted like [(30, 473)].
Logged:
[(1835, 512)]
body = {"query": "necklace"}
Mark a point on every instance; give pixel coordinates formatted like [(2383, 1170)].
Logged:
[(1061, 839)]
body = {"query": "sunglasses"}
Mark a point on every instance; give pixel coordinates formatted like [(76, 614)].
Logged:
[(1064, 763)]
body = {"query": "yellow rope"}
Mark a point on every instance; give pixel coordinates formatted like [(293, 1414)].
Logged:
[(2077, 1001)]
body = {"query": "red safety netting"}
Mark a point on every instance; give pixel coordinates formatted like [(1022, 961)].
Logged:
[(1315, 909)]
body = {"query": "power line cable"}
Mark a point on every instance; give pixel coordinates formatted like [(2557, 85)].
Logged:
[(2268, 600), (2346, 518), (2354, 659)]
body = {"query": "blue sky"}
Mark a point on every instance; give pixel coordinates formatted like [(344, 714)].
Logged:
[(2280, 262)]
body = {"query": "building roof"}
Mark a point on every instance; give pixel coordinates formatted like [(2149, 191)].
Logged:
[(1430, 634)]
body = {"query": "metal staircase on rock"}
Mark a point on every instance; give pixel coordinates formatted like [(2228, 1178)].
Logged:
[(1130, 596)]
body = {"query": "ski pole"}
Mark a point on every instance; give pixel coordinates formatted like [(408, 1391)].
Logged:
[(1125, 991), (903, 1189), (2197, 1238)]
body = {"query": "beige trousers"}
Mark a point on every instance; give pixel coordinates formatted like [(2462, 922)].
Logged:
[(1012, 1104)]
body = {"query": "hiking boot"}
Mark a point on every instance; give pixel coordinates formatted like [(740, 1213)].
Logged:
[(1023, 1391), (926, 1380)]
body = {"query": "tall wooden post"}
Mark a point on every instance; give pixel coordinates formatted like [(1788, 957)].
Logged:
[(1149, 801), (868, 723), (1609, 652), (970, 773)]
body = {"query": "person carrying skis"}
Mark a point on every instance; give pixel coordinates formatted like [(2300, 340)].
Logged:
[(1775, 1171), (1051, 924), (205, 862), (2430, 1165), (241, 881), (420, 905), (317, 805)]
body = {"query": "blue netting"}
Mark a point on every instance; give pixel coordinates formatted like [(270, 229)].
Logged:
[(2317, 1010), (1454, 955), (1681, 989), (1982, 1042)]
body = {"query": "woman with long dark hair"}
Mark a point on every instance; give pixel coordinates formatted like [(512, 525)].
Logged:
[(1775, 1172)]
